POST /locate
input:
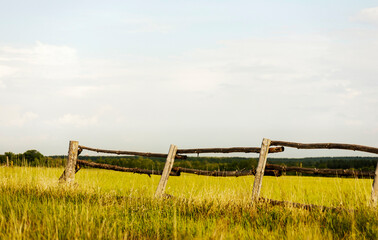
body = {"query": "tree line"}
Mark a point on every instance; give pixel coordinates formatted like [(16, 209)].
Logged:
[(35, 158), (31, 158)]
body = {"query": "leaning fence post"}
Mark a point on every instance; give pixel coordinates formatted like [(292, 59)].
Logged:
[(260, 169), (69, 172), (374, 189), (167, 170), (7, 161)]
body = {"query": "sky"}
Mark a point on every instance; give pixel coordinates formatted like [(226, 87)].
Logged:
[(141, 75)]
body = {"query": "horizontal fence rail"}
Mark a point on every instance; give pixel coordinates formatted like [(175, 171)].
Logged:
[(224, 173), (353, 147), (123, 169), (144, 154), (322, 171), (194, 150), (230, 150)]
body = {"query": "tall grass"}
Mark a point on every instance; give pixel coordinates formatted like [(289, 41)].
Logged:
[(113, 205)]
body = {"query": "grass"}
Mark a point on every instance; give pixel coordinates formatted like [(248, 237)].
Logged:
[(113, 205)]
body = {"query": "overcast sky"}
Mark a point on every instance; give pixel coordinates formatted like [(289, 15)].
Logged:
[(140, 75)]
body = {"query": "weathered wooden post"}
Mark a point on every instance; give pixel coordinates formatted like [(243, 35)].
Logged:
[(69, 172), (260, 169), (167, 170), (374, 189), (7, 161)]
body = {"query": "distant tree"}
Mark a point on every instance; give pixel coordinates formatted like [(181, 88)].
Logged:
[(33, 157), (10, 155)]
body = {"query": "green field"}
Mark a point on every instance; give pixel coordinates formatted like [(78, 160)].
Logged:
[(114, 205)]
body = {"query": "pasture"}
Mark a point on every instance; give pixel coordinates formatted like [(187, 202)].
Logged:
[(114, 205)]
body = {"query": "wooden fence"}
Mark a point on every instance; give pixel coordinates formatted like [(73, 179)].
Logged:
[(267, 146)]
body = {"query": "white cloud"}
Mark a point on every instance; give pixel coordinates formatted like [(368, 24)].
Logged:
[(39, 54), (14, 116), (368, 15), (4, 72), (351, 93), (101, 115), (251, 61), (146, 25), (354, 123), (80, 91), (77, 120), (41, 62), (52, 55)]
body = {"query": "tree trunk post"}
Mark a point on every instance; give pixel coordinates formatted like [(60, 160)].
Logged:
[(374, 189), (7, 161), (69, 172), (260, 169), (167, 169)]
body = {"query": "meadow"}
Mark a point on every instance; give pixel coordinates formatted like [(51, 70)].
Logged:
[(114, 205)]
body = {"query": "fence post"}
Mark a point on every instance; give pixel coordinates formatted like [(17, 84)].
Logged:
[(167, 170), (260, 169), (69, 172), (7, 161), (374, 189)]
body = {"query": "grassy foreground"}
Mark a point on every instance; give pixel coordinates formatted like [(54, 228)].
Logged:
[(112, 205)]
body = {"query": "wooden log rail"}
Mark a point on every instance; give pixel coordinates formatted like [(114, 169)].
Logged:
[(325, 146), (323, 171), (195, 150), (225, 173), (123, 169), (230, 150), (144, 154)]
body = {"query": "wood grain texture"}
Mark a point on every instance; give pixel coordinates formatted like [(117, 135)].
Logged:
[(68, 175), (167, 170), (260, 169)]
